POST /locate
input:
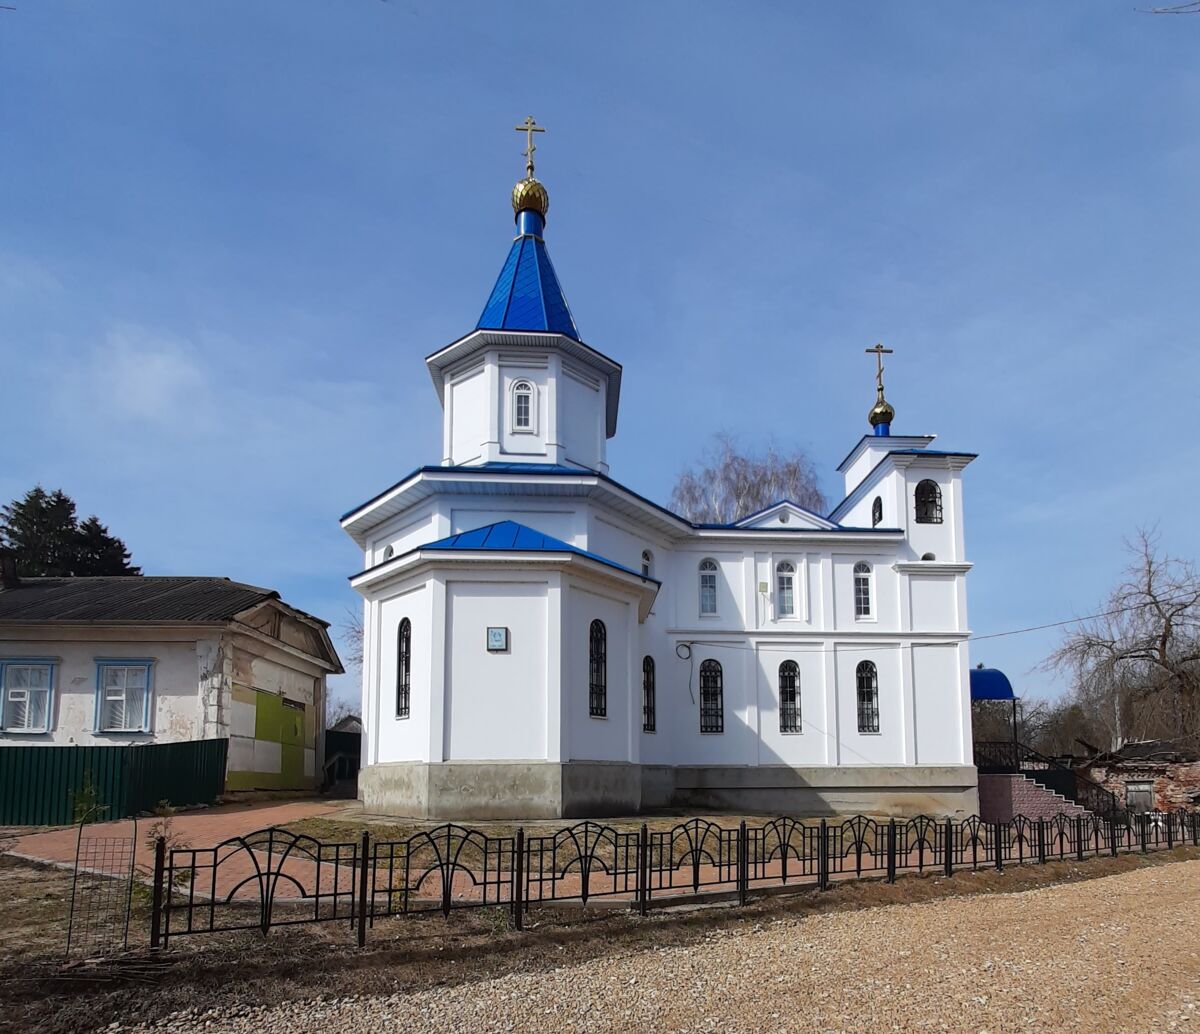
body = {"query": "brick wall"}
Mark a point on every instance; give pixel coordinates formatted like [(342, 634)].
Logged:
[(1172, 782), (1003, 796)]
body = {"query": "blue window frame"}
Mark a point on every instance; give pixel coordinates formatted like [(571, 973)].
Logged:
[(27, 694), (124, 690)]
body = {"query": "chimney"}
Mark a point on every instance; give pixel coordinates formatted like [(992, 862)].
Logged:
[(8, 568)]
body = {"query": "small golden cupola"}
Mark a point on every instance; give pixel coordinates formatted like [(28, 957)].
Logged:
[(882, 414)]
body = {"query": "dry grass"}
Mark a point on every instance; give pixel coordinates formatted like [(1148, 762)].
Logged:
[(406, 953)]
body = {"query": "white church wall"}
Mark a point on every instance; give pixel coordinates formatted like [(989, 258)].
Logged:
[(560, 521), (738, 744), (581, 419), (524, 445), (933, 602), (404, 533), (810, 745), (610, 738), (885, 600), (684, 573), (885, 747), (402, 739), (466, 415), (939, 698), (495, 702), (936, 539)]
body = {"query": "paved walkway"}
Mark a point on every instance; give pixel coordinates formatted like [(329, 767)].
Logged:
[(199, 829)]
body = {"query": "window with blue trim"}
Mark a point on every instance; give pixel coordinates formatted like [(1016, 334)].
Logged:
[(26, 695), (123, 696)]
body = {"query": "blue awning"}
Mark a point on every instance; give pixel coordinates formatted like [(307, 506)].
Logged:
[(990, 684)]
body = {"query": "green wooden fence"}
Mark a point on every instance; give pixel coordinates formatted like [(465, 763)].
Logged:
[(40, 786)]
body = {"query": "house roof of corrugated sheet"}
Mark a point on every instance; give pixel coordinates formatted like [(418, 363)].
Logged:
[(130, 600)]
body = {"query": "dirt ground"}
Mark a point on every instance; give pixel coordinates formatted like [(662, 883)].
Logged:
[(235, 974)]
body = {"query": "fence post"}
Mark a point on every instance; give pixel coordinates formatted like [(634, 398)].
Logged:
[(1112, 837), (363, 861), (743, 869), (1170, 830), (1079, 837), (1196, 829), (823, 857), (518, 880), (1145, 832), (160, 865), (998, 848), (1041, 845), (891, 851), (643, 873), (948, 848)]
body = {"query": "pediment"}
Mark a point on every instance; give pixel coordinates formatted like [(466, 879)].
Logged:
[(785, 516)]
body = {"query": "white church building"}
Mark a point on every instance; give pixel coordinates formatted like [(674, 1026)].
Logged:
[(541, 641)]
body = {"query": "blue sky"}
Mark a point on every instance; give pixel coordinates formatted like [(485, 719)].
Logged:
[(230, 233)]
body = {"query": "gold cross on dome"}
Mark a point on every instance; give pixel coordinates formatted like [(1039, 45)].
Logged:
[(879, 352), (529, 127)]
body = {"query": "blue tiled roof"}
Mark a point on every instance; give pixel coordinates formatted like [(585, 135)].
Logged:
[(990, 684), (527, 295), (511, 537)]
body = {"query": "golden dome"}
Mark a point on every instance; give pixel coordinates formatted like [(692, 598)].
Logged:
[(881, 412), (530, 195)]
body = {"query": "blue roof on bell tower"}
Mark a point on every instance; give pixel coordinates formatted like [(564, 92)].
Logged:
[(527, 295)]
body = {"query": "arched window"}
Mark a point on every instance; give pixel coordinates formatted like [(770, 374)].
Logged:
[(708, 586), (712, 697), (403, 668), (928, 556), (862, 589), (524, 407), (598, 670), (647, 563), (868, 697), (789, 697), (785, 581), (877, 511), (648, 715), (929, 502)]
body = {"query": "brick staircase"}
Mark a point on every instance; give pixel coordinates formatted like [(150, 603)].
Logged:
[(1005, 794)]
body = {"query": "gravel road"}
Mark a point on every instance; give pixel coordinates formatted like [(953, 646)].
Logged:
[(1113, 954)]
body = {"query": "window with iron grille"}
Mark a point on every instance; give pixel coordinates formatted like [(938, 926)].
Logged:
[(929, 502), (403, 668), (647, 563), (708, 586), (598, 670), (648, 709), (785, 577), (712, 697), (868, 697), (876, 511), (789, 697), (862, 590)]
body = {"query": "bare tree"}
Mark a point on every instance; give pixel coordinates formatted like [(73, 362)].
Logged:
[(1136, 669), (730, 484), (351, 630)]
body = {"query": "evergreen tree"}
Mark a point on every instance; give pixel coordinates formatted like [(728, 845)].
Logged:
[(50, 540)]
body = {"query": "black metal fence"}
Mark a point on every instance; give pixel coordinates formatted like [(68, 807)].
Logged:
[(275, 877)]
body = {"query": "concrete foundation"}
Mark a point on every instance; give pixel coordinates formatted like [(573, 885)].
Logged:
[(501, 789), (548, 790)]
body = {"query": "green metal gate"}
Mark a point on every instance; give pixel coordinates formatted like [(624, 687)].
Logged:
[(41, 786)]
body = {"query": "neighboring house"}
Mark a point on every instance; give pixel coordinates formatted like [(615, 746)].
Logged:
[(158, 660), (540, 640), (1147, 775)]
